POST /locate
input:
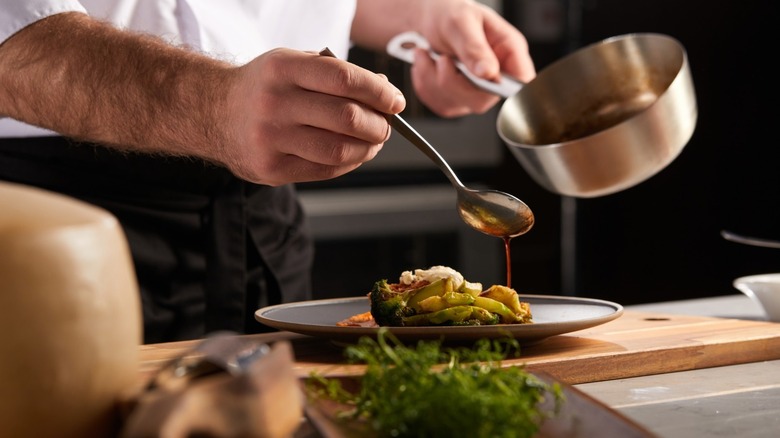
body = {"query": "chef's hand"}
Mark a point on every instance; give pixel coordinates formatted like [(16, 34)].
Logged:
[(287, 116), (477, 36), (299, 116)]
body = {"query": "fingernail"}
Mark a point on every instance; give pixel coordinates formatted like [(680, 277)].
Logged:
[(480, 68), (400, 101), (389, 131)]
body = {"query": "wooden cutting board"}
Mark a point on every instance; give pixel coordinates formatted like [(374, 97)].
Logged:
[(640, 344), (635, 344)]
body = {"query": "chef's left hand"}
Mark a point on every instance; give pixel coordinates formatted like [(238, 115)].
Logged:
[(477, 36)]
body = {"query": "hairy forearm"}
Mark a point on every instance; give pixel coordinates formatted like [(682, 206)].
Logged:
[(87, 80)]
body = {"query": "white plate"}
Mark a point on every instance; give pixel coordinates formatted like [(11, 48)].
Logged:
[(553, 315)]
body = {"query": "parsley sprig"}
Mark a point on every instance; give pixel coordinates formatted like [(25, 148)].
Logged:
[(428, 390)]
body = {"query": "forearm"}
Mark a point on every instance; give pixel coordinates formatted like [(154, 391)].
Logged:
[(89, 81), (376, 21)]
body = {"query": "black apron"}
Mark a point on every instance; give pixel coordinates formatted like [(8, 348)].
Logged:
[(208, 248)]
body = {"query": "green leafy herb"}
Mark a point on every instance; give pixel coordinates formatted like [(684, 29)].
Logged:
[(431, 391)]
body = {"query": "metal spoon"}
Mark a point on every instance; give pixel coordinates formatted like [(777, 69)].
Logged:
[(755, 241), (489, 211)]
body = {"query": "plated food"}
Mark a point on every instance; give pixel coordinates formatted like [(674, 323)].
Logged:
[(439, 296), (552, 315)]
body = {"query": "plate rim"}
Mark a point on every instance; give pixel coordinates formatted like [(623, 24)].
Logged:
[(530, 333)]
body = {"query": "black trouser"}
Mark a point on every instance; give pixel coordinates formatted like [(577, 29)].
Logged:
[(208, 248)]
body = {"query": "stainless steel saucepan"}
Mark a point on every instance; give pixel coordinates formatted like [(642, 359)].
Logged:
[(597, 121)]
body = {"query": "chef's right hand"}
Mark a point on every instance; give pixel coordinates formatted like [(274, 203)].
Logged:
[(298, 116)]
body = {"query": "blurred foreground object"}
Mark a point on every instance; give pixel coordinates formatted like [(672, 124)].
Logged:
[(70, 316), (227, 386)]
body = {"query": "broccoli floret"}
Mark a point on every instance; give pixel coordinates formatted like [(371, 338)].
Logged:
[(388, 306)]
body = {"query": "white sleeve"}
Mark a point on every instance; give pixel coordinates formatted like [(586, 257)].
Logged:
[(16, 14)]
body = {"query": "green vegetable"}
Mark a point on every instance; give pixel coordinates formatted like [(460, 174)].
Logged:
[(449, 299), (509, 298), (473, 289), (498, 308), (431, 391), (437, 288), (389, 307), (455, 315), (438, 303)]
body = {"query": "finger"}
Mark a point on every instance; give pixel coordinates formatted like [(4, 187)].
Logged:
[(445, 90), (303, 154), (293, 168), (510, 47), (488, 44), (469, 44), (340, 78), (327, 148), (337, 114), (461, 89)]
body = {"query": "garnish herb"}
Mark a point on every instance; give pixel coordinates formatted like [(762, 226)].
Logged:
[(428, 390)]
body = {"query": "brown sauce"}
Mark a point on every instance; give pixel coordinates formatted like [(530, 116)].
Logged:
[(508, 262)]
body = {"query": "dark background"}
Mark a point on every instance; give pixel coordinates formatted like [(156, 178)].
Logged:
[(657, 241), (661, 240)]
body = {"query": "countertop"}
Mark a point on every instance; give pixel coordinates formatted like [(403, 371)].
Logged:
[(728, 401), (695, 368)]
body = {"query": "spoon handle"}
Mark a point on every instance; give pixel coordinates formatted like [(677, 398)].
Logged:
[(415, 138), (409, 133), (755, 241)]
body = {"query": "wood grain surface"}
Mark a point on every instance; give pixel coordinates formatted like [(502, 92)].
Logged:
[(636, 344)]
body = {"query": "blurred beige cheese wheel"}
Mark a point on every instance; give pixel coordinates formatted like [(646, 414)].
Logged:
[(70, 318)]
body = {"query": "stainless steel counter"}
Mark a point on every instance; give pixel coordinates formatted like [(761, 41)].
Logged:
[(733, 401)]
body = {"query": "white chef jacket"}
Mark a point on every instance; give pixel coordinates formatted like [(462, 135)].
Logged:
[(232, 30)]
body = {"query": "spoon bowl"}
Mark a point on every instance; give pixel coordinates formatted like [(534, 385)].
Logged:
[(491, 212), (494, 213)]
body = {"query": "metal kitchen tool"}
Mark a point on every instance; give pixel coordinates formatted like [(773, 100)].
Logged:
[(747, 240), (225, 386), (222, 352), (490, 211), (599, 120)]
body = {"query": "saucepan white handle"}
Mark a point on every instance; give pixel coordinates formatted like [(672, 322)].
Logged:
[(402, 47)]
